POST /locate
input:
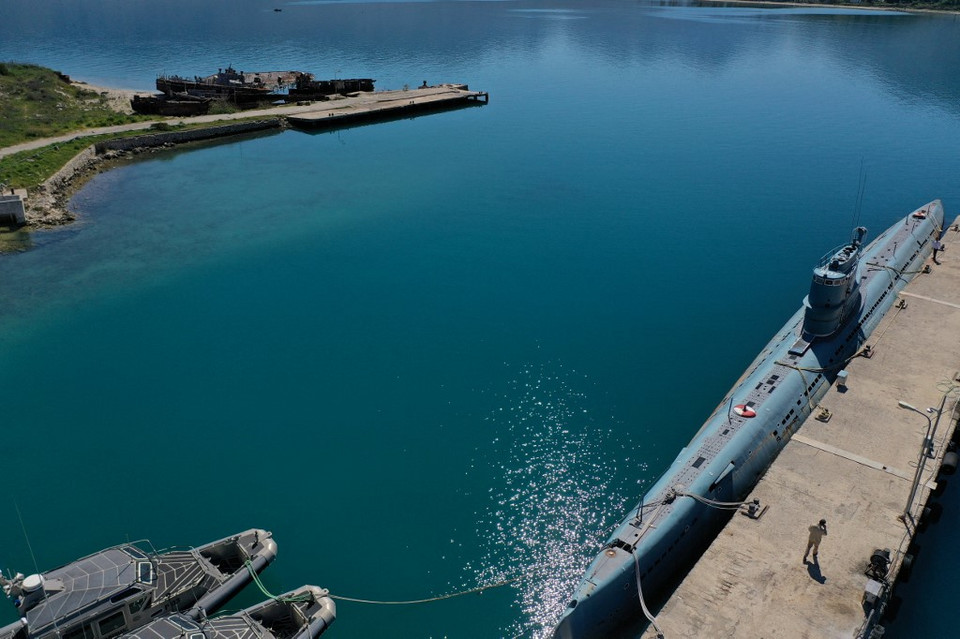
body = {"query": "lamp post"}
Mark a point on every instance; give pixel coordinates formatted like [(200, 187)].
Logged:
[(928, 440), (926, 452)]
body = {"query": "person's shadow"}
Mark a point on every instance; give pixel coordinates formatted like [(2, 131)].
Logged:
[(813, 568)]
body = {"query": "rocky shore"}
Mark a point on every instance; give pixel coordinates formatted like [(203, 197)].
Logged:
[(46, 206)]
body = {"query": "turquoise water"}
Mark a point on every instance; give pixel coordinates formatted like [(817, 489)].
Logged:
[(444, 351)]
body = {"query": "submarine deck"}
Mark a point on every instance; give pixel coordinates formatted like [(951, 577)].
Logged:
[(856, 470)]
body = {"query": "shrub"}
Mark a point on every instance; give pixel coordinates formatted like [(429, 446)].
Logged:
[(223, 106)]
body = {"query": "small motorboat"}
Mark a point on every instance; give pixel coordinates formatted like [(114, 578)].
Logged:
[(117, 590), (304, 613)]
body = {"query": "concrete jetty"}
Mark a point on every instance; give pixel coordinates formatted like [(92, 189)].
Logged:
[(866, 461), (379, 105)]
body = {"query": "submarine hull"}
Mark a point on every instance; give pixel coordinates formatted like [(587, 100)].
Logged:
[(661, 538)]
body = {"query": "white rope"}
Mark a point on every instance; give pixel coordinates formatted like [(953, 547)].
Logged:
[(722, 505), (643, 604)]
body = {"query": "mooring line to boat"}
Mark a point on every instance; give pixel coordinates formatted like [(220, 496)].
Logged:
[(642, 506), (892, 319), (831, 367), (256, 579), (713, 503), (899, 274), (450, 595), (643, 605), (668, 499), (948, 387)]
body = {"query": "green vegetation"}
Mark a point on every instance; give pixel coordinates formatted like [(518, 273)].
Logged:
[(221, 107), (27, 169), (36, 102)]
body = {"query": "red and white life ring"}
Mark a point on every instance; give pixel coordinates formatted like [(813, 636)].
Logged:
[(744, 411)]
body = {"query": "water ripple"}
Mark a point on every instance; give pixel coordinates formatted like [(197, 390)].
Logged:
[(554, 498)]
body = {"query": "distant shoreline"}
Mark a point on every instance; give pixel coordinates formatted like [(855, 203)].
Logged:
[(836, 5)]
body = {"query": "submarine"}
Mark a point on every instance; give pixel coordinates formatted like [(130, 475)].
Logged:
[(658, 540)]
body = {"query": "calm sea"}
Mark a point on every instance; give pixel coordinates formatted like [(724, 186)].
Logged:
[(445, 351)]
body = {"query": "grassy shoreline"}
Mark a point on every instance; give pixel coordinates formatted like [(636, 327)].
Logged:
[(30, 168), (52, 174), (40, 103)]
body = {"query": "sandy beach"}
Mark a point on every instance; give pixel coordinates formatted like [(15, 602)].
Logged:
[(118, 99)]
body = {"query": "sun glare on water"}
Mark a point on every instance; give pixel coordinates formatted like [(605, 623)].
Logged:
[(551, 502)]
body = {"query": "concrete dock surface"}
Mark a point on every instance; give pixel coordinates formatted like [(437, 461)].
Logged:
[(371, 104), (857, 470)]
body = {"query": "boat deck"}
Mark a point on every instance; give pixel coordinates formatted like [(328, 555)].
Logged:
[(856, 470)]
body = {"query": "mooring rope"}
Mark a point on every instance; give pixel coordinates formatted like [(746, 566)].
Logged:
[(256, 579), (893, 270), (643, 604), (720, 505), (450, 595), (948, 387)]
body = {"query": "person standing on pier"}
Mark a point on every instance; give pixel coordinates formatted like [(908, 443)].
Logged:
[(813, 541)]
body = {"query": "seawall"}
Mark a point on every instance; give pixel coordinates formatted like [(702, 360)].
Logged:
[(167, 138), (47, 205)]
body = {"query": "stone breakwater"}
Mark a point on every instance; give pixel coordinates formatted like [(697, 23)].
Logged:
[(47, 205)]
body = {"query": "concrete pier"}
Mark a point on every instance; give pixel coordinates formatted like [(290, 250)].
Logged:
[(866, 461), (380, 105)]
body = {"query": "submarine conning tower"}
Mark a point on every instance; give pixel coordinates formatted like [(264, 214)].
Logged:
[(835, 288)]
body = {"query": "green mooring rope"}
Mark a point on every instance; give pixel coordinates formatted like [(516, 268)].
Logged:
[(256, 579), (439, 598), (302, 598)]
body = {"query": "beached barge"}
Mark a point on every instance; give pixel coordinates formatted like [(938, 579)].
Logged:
[(191, 96), (243, 89), (306, 88)]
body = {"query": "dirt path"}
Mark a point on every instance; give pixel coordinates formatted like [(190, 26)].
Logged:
[(122, 96)]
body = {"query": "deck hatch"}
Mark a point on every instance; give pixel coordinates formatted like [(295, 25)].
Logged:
[(145, 572), (124, 594), (135, 552), (183, 623)]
